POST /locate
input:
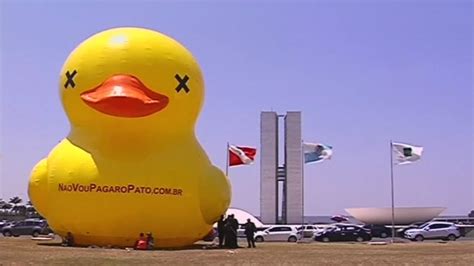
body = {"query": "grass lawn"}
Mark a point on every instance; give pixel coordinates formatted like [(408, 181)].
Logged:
[(23, 250)]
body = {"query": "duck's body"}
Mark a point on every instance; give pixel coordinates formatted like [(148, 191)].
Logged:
[(102, 202), (109, 182)]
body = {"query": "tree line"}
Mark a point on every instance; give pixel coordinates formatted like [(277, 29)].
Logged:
[(15, 207)]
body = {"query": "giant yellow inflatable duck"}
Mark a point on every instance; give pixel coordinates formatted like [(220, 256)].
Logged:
[(131, 162)]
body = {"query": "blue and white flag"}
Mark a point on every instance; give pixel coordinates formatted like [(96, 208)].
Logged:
[(316, 152)]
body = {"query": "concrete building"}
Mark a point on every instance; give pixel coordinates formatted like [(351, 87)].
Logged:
[(288, 176), (294, 168), (268, 167)]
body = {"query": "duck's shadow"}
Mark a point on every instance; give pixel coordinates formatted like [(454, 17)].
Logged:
[(191, 247)]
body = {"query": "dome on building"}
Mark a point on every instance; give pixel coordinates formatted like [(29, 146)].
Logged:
[(403, 215)]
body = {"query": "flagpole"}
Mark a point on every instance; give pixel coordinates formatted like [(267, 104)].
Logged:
[(302, 173), (393, 200), (227, 161)]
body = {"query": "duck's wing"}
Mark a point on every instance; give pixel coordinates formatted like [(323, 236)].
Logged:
[(215, 194), (37, 187)]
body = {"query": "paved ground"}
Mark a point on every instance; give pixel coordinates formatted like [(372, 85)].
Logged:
[(23, 250)]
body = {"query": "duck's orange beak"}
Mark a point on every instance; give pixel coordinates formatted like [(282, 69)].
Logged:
[(124, 96)]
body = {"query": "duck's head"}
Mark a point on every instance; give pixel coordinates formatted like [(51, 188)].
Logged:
[(133, 80)]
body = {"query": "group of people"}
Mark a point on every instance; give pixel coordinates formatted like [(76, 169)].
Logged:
[(226, 229), (227, 232), (145, 242)]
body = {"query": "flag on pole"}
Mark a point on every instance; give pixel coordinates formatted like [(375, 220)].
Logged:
[(241, 155), (316, 152), (405, 153)]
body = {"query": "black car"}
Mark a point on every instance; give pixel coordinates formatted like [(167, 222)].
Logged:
[(378, 230), (3, 223), (344, 233)]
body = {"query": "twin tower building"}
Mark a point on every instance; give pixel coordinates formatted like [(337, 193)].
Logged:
[(281, 168)]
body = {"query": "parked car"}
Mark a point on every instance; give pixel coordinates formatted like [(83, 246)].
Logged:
[(277, 233), (401, 231), (379, 230), (241, 230), (32, 227), (434, 230), (3, 223), (211, 235), (306, 230), (344, 233), (311, 230)]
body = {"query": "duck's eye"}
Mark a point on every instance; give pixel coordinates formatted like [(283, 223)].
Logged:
[(70, 79), (182, 83)]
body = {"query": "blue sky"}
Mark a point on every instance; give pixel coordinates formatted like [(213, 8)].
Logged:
[(361, 72)]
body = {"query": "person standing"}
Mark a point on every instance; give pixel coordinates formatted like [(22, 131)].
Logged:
[(221, 230), (234, 224), (228, 232), (250, 230), (231, 226)]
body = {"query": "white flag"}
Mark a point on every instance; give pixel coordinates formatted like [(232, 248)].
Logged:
[(405, 153), (316, 152)]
